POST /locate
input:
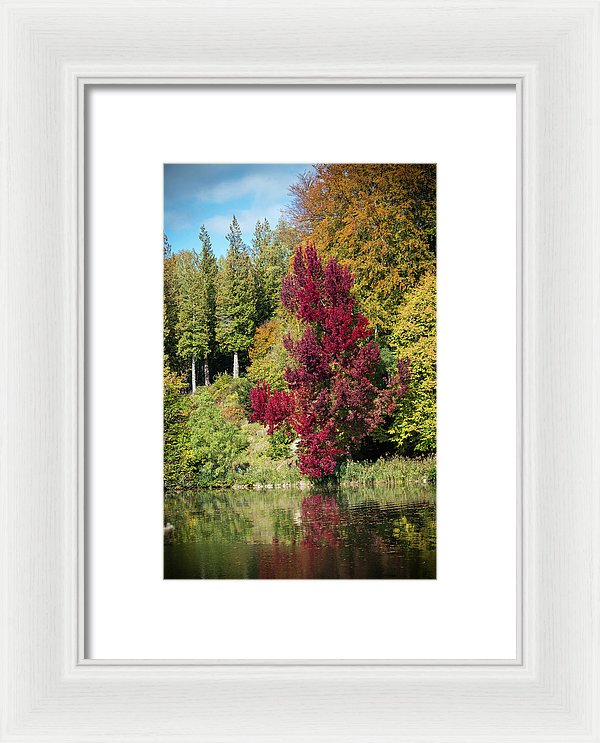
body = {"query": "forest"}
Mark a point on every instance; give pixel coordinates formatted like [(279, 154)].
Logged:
[(308, 356)]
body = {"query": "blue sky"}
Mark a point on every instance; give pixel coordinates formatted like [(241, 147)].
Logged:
[(212, 194)]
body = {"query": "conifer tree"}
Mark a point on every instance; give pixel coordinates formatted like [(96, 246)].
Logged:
[(260, 241), (236, 298), (197, 275), (207, 299), (189, 346), (271, 252), (170, 292)]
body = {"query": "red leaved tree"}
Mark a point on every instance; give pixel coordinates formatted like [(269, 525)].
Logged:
[(333, 402)]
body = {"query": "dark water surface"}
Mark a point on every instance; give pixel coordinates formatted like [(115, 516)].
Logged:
[(374, 532)]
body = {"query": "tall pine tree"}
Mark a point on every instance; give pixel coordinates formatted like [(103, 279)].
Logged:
[(236, 298), (260, 241), (271, 253), (170, 292), (189, 344), (197, 276), (207, 299)]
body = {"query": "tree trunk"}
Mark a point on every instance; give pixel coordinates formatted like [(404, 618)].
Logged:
[(206, 372), (236, 365), (193, 374)]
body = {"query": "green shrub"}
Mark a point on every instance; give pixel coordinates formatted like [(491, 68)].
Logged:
[(232, 396), (279, 444), (178, 457), (215, 442)]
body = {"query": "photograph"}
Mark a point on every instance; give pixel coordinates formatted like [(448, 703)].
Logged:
[(299, 383)]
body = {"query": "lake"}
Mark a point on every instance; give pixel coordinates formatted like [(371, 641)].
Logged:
[(358, 532)]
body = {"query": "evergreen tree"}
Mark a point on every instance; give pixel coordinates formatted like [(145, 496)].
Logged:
[(170, 292), (189, 344), (207, 300), (197, 276), (236, 298), (261, 238), (260, 241), (271, 253)]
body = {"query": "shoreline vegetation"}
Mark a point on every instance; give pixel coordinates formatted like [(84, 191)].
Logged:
[(393, 471)]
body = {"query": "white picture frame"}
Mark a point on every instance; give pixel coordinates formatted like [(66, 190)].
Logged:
[(50, 51)]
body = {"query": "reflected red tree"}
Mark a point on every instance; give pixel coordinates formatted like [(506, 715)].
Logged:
[(321, 521)]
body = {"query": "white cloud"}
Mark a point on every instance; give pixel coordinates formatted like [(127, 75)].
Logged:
[(264, 185), (217, 225), (177, 220)]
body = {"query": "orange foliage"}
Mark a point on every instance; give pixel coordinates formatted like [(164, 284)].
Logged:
[(378, 220)]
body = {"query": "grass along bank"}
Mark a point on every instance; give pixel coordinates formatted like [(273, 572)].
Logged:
[(284, 473)]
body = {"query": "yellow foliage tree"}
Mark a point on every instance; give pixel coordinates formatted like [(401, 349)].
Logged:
[(414, 337), (379, 221)]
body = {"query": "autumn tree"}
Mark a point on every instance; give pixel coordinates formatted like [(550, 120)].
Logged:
[(377, 220), (236, 298), (413, 425), (333, 401)]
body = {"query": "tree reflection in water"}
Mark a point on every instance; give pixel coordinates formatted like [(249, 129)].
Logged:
[(369, 533), (320, 521)]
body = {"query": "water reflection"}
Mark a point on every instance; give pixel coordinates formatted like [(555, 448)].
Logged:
[(372, 532)]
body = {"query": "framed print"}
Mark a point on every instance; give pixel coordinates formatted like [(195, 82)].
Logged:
[(415, 191)]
